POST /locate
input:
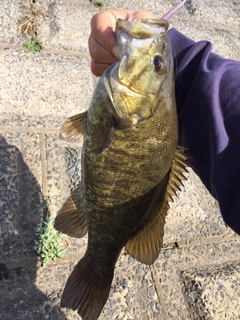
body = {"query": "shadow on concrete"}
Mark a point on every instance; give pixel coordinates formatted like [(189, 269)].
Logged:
[(20, 212)]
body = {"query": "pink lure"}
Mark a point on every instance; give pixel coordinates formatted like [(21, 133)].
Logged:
[(169, 14)]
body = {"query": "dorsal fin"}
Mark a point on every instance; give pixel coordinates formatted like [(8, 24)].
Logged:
[(176, 177), (146, 244), (73, 129)]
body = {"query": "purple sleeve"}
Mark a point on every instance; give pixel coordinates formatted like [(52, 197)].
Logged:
[(208, 102)]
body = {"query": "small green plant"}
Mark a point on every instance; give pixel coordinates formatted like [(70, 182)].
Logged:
[(97, 3), (28, 25), (35, 45), (48, 242)]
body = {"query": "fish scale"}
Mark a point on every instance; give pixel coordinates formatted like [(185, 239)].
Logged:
[(131, 177)]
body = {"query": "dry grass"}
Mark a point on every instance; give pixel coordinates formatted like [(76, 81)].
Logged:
[(28, 25)]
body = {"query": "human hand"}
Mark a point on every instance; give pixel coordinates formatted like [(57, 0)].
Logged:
[(102, 41)]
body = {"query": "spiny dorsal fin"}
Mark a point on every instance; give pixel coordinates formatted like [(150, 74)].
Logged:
[(146, 244), (70, 218), (73, 129), (177, 177)]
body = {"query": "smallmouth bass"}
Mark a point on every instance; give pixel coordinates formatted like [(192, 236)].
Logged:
[(131, 164)]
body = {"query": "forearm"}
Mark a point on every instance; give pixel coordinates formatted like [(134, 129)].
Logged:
[(208, 102)]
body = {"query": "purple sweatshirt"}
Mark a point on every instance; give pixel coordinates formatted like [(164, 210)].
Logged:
[(208, 103)]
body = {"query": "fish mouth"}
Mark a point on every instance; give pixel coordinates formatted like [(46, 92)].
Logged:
[(128, 31), (124, 26)]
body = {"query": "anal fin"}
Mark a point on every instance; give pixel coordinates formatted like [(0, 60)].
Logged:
[(145, 246), (70, 218)]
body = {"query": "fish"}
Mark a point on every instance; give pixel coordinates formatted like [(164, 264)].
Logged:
[(131, 164)]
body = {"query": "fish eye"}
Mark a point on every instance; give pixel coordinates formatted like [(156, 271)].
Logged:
[(158, 63)]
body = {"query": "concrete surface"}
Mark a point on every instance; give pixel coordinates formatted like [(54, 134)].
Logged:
[(197, 273)]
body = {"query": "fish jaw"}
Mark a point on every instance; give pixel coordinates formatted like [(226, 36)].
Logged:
[(127, 31)]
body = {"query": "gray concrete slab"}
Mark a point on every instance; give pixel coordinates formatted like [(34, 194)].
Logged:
[(199, 281), (42, 89), (63, 171), (203, 287), (193, 217), (10, 11), (67, 25), (133, 294), (21, 202)]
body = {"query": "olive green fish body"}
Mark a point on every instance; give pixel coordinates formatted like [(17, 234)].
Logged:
[(123, 184), (131, 165)]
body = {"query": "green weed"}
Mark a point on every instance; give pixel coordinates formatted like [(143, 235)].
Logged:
[(35, 45), (48, 242), (97, 3)]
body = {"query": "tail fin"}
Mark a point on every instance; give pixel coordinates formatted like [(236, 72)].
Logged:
[(86, 291)]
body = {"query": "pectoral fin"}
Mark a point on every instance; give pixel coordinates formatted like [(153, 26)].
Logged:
[(146, 244), (101, 137), (70, 218), (73, 129)]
